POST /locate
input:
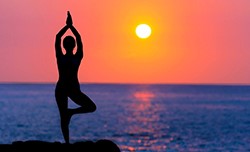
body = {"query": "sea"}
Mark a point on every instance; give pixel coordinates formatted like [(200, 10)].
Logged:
[(137, 117)]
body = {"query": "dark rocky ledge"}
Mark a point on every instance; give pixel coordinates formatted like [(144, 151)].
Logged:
[(101, 145)]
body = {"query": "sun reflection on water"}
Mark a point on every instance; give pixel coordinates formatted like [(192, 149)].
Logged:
[(143, 127), (144, 96)]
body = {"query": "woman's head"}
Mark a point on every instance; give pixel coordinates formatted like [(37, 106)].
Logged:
[(69, 43)]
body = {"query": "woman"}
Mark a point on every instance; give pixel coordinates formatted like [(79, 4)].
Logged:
[(68, 85)]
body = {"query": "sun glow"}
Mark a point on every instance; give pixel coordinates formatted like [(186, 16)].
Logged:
[(143, 31)]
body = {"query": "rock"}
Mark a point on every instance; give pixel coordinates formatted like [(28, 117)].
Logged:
[(102, 145)]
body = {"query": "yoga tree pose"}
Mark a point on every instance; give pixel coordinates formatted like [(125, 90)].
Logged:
[(68, 85)]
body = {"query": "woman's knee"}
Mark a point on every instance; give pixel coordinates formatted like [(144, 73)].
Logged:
[(92, 107)]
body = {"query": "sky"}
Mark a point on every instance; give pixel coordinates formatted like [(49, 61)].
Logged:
[(192, 41)]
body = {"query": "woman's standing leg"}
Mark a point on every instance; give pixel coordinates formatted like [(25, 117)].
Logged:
[(62, 103)]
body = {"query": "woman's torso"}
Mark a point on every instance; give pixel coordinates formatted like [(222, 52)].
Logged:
[(68, 71)]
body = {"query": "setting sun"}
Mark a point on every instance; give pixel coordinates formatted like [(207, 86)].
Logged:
[(143, 31)]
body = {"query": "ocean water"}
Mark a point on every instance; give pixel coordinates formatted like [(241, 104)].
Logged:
[(138, 118)]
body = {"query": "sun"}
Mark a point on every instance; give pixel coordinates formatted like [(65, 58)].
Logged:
[(143, 31)]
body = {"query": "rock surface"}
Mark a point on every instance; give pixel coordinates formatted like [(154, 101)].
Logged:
[(101, 145)]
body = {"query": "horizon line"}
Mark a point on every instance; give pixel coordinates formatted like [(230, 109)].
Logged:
[(134, 83)]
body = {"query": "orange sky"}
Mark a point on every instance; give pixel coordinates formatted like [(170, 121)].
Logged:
[(192, 41)]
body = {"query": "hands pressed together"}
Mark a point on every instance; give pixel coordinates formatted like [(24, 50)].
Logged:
[(69, 21)]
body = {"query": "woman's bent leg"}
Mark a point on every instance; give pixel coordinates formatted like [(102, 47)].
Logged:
[(85, 103)]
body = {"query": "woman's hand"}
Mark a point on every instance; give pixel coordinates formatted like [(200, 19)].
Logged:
[(69, 21)]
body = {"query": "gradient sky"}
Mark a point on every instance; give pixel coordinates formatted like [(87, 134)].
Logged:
[(192, 41)]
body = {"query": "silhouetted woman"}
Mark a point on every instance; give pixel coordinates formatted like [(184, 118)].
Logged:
[(68, 85)]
